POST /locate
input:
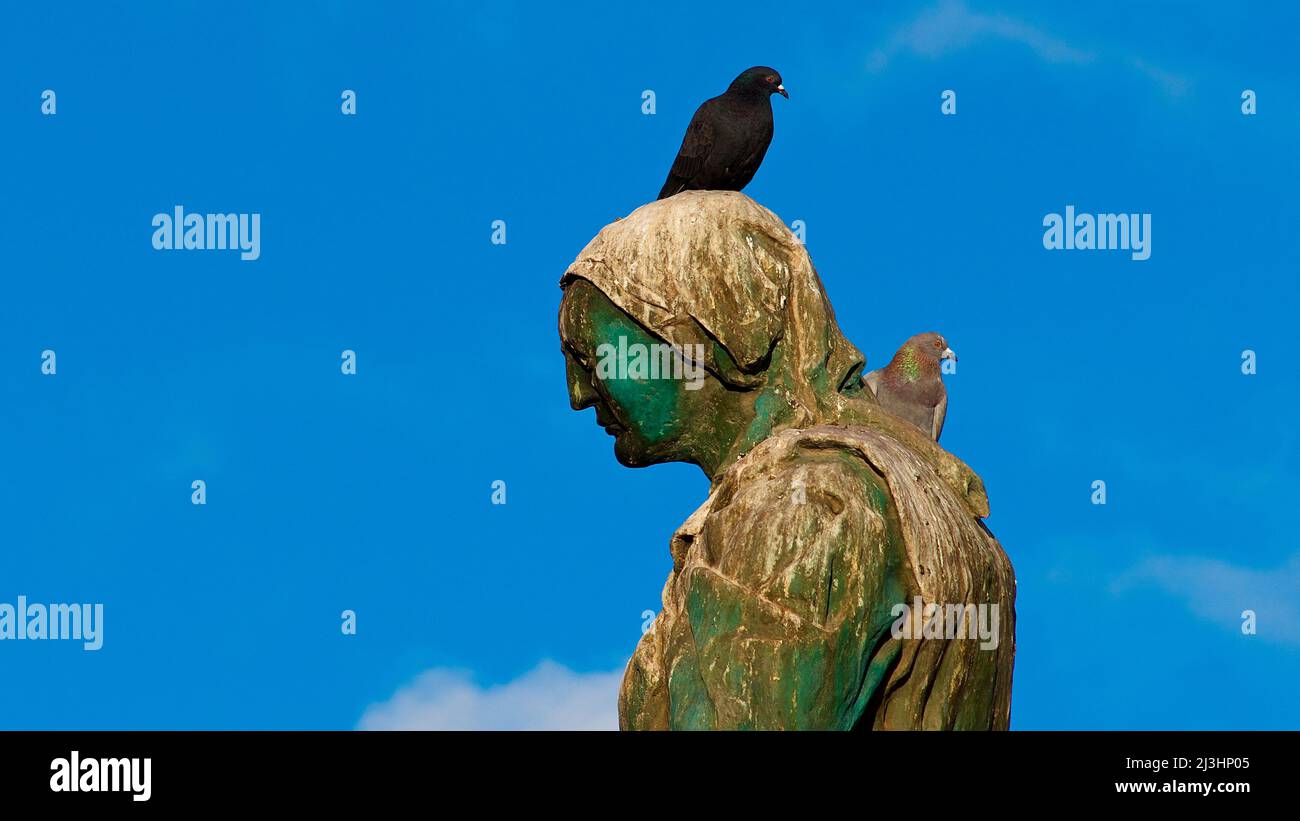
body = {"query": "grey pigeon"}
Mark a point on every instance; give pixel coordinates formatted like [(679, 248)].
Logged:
[(910, 386)]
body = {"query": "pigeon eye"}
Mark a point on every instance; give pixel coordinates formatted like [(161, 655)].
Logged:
[(769, 78)]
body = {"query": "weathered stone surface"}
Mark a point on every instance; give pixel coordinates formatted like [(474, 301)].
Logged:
[(825, 512)]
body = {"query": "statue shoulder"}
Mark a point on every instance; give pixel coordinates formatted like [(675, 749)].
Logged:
[(793, 523), (785, 477)]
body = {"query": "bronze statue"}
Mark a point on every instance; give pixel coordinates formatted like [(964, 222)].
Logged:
[(811, 588)]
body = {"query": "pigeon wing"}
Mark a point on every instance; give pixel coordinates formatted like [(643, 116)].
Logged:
[(940, 411), (696, 147), (872, 381)]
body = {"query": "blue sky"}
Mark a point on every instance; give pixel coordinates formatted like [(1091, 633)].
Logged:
[(372, 492)]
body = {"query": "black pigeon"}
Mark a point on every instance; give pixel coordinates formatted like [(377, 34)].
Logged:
[(728, 136)]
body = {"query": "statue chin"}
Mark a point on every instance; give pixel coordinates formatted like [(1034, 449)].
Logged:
[(631, 452), (628, 455)]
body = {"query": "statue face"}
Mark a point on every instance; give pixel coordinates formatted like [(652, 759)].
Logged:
[(650, 401)]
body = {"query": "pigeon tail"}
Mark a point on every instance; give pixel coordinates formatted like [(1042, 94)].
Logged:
[(673, 185)]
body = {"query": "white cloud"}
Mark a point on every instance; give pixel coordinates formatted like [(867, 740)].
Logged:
[(1218, 591), (950, 27), (1174, 85), (550, 697)]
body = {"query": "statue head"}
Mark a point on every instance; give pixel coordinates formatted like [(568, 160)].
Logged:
[(697, 327)]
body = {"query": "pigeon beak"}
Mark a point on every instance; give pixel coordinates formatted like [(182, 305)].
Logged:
[(948, 353), (784, 93)]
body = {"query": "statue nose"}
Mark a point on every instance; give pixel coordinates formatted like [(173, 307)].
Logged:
[(581, 393)]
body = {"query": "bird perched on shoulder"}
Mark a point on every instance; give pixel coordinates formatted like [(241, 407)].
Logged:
[(910, 386), (728, 136)]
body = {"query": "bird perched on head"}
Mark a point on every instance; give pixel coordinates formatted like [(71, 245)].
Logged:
[(910, 386), (728, 136)]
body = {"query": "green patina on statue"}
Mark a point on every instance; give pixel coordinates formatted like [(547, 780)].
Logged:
[(832, 578)]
